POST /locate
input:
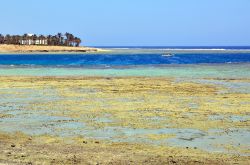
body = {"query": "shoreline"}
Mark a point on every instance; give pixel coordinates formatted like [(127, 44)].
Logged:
[(55, 50), (39, 49)]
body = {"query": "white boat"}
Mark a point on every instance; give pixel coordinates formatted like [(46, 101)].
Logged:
[(167, 55)]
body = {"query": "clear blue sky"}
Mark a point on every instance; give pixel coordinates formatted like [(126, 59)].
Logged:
[(132, 22)]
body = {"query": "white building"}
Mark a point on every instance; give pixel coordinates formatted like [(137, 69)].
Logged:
[(30, 41)]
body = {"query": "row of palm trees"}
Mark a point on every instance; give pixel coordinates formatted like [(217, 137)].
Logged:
[(59, 39)]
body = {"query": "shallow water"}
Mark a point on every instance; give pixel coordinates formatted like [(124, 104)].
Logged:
[(217, 70), (189, 71), (19, 116), (211, 140)]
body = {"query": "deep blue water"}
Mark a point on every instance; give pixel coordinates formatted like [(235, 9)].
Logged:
[(122, 60)]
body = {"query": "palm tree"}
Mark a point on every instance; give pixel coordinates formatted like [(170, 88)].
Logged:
[(77, 41), (15, 40), (7, 39), (60, 37), (56, 40), (30, 40), (67, 39), (34, 38), (72, 37), (25, 38), (39, 39), (1, 39), (43, 39), (49, 39), (18, 39)]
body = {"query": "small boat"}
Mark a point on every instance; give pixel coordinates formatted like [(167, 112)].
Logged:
[(167, 55)]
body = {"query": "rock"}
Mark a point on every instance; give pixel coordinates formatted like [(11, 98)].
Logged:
[(174, 162)]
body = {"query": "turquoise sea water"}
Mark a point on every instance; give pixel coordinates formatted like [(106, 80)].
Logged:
[(189, 71)]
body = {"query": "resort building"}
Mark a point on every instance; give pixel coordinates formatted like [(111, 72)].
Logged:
[(59, 39), (32, 39)]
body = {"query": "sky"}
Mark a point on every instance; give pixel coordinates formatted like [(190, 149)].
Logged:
[(133, 22)]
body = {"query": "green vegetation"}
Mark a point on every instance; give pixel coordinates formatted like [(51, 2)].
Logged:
[(32, 39)]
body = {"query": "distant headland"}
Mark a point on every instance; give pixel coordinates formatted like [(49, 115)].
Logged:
[(33, 43)]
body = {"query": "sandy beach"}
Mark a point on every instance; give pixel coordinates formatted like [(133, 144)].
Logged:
[(23, 49), (122, 120)]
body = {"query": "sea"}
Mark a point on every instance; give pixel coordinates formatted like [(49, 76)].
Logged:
[(216, 62), (225, 67)]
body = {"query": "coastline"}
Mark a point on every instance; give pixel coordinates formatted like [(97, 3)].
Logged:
[(35, 49), (39, 49)]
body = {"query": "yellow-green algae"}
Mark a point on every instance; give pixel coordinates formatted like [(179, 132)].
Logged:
[(134, 103), (22, 149)]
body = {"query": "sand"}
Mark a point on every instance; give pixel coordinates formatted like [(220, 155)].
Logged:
[(9, 49)]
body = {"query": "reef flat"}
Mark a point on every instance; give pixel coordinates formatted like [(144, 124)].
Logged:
[(124, 120)]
